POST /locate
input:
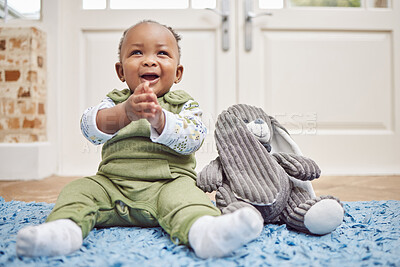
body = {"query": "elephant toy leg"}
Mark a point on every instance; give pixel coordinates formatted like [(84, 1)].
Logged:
[(319, 216), (228, 203), (224, 196)]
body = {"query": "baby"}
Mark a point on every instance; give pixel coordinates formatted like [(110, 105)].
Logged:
[(146, 177)]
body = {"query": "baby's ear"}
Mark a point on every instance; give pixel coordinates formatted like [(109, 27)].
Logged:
[(120, 71), (179, 74)]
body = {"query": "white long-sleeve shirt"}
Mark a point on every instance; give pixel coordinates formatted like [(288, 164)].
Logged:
[(183, 132)]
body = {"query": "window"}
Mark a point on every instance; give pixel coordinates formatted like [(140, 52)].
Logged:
[(379, 3), (20, 9), (327, 3), (147, 4), (276, 4)]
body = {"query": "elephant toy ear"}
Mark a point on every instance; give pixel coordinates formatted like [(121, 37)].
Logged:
[(282, 142), (253, 174)]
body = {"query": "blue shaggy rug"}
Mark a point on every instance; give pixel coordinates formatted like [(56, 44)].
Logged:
[(369, 236)]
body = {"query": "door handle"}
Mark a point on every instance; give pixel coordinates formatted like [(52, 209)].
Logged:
[(249, 15), (224, 13)]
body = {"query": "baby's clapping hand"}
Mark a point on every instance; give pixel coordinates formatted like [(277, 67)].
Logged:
[(142, 104)]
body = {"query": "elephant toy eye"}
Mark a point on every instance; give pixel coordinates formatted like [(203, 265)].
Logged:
[(246, 121)]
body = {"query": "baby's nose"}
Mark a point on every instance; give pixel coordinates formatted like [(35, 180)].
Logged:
[(258, 121), (149, 62)]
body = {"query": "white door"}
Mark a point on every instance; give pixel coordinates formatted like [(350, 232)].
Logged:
[(330, 75)]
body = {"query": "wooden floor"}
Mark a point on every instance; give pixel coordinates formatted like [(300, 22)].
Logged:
[(346, 188)]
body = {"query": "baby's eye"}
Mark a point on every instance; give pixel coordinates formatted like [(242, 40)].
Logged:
[(136, 52), (163, 53), (245, 120)]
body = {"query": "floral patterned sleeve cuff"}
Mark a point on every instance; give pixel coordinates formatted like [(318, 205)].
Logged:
[(183, 132), (89, 126)]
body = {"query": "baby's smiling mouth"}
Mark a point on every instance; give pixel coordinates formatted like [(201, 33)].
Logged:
[(149, 77)]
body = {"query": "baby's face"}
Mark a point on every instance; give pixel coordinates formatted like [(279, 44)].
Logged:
[(150, 53)]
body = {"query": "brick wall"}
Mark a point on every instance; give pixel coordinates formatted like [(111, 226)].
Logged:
[(22, 85)]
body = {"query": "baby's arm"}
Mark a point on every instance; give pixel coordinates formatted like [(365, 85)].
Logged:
[(100, 123), (142, 104), (89, 126), (183, 132)]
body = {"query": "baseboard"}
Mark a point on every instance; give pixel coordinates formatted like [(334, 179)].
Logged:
[(27, 161)]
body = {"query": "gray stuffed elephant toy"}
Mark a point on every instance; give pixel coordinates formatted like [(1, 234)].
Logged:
[(260, 166)]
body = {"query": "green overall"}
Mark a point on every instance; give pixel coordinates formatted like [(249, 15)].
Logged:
[(138, 183)]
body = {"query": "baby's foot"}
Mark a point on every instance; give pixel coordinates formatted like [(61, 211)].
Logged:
[(219, 236), (59, 237)]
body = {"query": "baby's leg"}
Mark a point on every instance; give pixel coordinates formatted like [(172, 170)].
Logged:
[(60, 237), (71, 220), (188, 215), (219, 236)]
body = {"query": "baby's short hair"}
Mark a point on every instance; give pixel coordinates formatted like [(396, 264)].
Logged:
[(174, 33)]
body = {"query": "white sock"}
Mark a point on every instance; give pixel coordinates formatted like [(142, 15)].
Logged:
[(219, 236), (59, 237)]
